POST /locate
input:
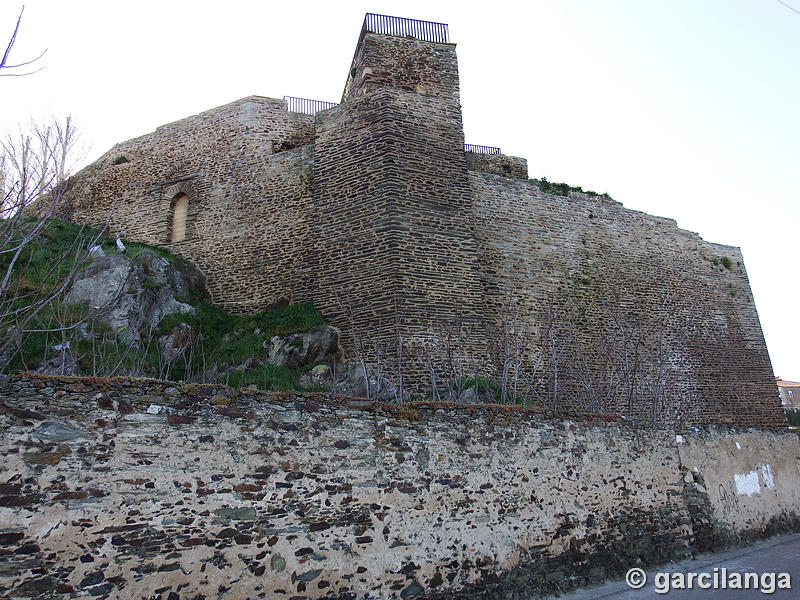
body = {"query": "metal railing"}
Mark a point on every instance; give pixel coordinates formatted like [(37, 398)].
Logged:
[(306, 106), (423, 30), (481, 149)]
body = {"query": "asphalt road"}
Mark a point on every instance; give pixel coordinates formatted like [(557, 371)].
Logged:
[(775, 555)]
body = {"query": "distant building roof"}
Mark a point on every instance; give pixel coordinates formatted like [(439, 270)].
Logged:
[(784, 383)]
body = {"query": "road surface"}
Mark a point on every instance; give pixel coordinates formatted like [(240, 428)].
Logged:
[(779, 556)]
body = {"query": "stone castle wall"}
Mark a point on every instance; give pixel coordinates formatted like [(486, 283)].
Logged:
[(374, 202), (499, 164), (604, 268), (141, 489), (246, 168)]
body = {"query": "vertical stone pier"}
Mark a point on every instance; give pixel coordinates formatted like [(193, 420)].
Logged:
[(393, 210)]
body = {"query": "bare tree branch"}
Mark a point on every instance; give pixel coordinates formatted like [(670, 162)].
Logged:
[(34, 168), (4, 65), (357, 338)]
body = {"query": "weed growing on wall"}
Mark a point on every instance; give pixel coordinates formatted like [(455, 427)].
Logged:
[(793, 416), (563, 189), (722, 260)]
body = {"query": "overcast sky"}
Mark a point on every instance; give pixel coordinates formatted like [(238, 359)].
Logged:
[(688, 109)]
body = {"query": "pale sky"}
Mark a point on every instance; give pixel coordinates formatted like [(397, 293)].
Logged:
[(688, 109)]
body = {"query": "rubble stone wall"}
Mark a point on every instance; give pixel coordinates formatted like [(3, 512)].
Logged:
[(743, 476), (499, 164), (146, 489), (602, 268), (246, 169)]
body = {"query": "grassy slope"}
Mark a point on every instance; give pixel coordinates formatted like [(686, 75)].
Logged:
[(224, 341)]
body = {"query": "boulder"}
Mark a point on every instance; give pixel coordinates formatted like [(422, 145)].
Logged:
[(471, 395), (318, 375), (63, 362), (175, 343), (132, 296), (300, 349), (350, 381)]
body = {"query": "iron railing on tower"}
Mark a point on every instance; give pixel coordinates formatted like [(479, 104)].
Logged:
[(481, 149), (306, 105), (427, 31), (422, 30)]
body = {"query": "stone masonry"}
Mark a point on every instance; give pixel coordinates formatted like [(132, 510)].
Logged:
[(227, 161), (373, 205), (392, 193), (147, 489)]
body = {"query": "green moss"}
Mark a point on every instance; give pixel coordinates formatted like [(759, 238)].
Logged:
[(563, 189)]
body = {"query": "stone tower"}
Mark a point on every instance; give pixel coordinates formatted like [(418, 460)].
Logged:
[(393, 211)]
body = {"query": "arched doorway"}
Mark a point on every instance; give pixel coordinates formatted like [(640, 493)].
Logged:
[(178, 209)]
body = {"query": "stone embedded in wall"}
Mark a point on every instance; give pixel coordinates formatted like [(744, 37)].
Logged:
[(122, 487)]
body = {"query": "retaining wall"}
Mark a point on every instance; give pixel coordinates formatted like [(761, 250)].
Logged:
[(146, 489), (619, 274)]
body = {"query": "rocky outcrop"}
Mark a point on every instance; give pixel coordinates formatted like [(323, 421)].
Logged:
[(176, 342), (349, 379), (320, 345), (299, 349), (134, 295)]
